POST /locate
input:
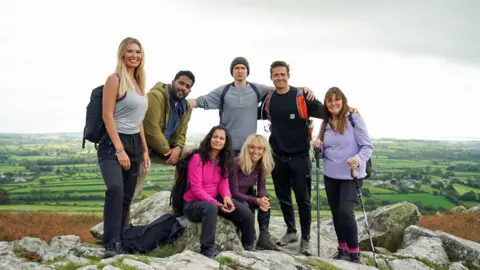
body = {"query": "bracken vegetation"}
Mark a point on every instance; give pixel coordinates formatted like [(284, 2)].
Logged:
[(46, 225), (464, 225)]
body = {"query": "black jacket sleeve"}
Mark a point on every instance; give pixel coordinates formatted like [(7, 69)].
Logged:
[(315, 108)]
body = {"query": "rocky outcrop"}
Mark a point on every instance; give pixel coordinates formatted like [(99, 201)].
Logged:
[(474, 209), (457, 209), (399, 243), (387, 225)]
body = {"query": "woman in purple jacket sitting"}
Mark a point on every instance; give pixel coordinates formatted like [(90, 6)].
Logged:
[(343, 148), (250, 168)]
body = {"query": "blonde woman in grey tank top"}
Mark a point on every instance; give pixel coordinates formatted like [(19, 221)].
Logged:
[(123, 148)]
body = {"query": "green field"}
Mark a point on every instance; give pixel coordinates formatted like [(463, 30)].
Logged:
[(462, 189), (62, 177), (426, 199)]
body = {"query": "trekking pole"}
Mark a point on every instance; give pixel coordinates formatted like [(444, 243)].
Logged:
[(359, 193), (317, 160)]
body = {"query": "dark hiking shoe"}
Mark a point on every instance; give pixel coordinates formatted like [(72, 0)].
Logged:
[(341, 255), (248, 248), (305, 247), (112, 250), (287, 239), (208, 252), (265, 243), (354, 257)]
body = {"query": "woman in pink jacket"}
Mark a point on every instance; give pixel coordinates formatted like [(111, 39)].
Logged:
[(209, 194)]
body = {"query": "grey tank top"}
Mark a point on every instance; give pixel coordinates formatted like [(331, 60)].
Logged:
[(129, 112)]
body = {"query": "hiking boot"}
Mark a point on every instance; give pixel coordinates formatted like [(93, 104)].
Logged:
[(354, 257), (305, 247), (287, 239), (208, 252), (341, 255), (112, 250), (265, 243), (248, 248)]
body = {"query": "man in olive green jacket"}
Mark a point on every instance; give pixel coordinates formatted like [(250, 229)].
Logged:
[(166, 121)]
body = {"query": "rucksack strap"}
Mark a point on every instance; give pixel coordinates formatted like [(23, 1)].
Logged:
[(350, 118), (302, 105), (222, 100), (224, 93), (84, 139), (266, 104), (255, 89)]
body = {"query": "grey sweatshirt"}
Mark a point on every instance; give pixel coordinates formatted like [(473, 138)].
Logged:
[(239, 109)]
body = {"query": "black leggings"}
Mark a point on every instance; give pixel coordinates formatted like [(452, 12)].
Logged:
[(120, 183), (342, 198), (206, 212)]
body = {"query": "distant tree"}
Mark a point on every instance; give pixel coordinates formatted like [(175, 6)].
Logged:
[(366, 192), (435, 193), (403, 189), (43, 182), (427, 179), (417, 185), (5, 197), (469, 196)]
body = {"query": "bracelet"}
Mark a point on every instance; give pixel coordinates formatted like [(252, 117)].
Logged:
[(118, 152)]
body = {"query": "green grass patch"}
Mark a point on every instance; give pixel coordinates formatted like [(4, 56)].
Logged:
[(51, 208), (318, 264), (164, 251), (422, 198), (462, 189)]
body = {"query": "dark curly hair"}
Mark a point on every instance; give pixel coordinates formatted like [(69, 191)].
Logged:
[(225, 155)]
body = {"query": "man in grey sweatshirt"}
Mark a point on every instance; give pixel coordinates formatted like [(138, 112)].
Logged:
[(238, 113)]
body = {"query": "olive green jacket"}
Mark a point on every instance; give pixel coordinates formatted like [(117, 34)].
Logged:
[(156, 119)]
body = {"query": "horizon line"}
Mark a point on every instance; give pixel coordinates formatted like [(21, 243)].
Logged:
[(452, 139)]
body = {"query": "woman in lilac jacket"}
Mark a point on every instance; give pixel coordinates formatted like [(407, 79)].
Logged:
[(344, 148)]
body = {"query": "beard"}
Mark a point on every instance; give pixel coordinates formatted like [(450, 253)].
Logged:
[(177, 94)]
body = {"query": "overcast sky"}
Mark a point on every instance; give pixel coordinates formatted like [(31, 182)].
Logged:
[(412, 68)]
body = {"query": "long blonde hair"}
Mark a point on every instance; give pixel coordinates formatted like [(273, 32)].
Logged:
[(122, 69), (266, 161)]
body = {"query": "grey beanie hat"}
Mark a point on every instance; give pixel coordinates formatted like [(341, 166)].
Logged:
[(239, 60)]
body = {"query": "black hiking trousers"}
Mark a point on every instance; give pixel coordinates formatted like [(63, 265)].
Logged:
[(294, 173), (263, 218), (206, 212), (342, 197), (120, 183)]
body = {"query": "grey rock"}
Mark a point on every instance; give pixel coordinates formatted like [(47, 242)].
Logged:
[(457, 266), (460, 249), (413, 232), (410, 264), (138, 265), (426, 248), (33, 246)]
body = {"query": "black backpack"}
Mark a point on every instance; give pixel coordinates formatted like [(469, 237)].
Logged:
[(94, 126), (142, 239), (224, 92), (181, 185), (368, 169)]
